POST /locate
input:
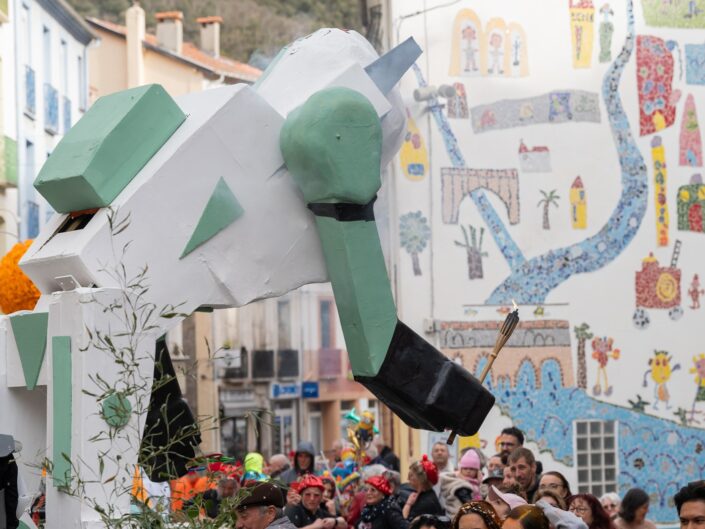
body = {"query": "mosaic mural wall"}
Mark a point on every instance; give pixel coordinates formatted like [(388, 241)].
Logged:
[(570, 183)]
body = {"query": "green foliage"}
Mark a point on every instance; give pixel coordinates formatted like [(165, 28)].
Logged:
[(248, 25)]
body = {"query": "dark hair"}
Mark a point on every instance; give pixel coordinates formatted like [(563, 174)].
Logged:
[(520, 452), (633, 499), (600, 518), (513, 488), (439, 522), (694, 491), (483, 509), (564, 481), (516, 432), (547, 492), (530, 517)]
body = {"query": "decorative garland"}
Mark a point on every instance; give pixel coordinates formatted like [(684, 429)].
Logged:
[(17, 292)]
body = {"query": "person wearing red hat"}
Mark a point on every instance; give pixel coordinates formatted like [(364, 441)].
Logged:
[(423, 475), (308, 513), (380, 511)]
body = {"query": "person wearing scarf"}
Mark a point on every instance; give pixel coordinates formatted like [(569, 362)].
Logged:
[(380, 511)]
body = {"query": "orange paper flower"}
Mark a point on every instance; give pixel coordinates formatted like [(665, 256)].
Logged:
[(17, 292)]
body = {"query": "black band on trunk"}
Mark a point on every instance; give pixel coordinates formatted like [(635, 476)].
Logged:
[(345, 212)]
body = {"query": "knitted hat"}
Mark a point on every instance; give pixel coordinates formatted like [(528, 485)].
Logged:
[(430, 469), (381, 484), (309, 481), (470, 459)]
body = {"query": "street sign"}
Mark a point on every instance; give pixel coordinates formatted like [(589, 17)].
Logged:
[(309, 390), (285, 391)]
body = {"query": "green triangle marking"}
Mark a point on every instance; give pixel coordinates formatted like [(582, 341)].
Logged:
[(30, 332), (221, 211)]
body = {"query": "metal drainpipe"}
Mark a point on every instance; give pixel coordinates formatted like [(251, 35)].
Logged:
[(21, 176)]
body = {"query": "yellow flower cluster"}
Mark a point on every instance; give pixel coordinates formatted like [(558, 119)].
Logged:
[(17, 292)]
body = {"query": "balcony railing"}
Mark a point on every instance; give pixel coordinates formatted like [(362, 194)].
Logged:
[(67, 114), (30, 102), (51, 109)]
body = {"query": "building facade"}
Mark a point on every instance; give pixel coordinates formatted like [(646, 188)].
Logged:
[(50, 43), (284, 374), (9, 218), (606, 371)]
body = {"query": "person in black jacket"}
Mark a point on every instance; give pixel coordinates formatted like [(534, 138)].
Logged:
[(303, 463), (227, 488), (423, 475), (8, 482), (380, 511), (385, 455)]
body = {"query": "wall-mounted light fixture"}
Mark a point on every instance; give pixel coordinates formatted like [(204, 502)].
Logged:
[(429, 92)]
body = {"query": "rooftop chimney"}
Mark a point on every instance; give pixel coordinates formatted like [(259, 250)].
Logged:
[(134, 20), (210, 34), (170, 30)]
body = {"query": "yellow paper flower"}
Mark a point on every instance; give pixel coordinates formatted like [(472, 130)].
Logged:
[(17, 292)]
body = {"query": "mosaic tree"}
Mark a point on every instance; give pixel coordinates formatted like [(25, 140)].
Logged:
[(582, 334), (414, 234), (473, 247), (549, 199)]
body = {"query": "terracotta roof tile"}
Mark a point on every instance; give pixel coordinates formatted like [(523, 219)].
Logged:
[(209, 20), (168, 15), (191, 53)]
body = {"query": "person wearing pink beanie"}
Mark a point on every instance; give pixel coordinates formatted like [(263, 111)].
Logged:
[(462, 486), (470, 470)]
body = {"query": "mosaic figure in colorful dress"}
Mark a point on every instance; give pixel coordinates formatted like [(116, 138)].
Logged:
[(698, 370), (695, 292), (661, 370), (602, 351), (468, 48), (496, 53)]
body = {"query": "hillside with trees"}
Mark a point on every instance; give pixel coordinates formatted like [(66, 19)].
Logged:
[(253, 30)]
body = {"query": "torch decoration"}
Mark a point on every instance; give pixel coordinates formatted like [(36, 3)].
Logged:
[(505, 332)]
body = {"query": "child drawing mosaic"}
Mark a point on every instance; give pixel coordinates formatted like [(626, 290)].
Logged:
[(541, 399), (691, 205), (608, 144), (414, 234), (695, 64), (529, 282), (554, 107), (582, 18), (657, 99), (498, 49), (658, 287), (691, 147)]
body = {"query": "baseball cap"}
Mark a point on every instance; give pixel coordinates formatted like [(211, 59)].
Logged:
[(510, 499)]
